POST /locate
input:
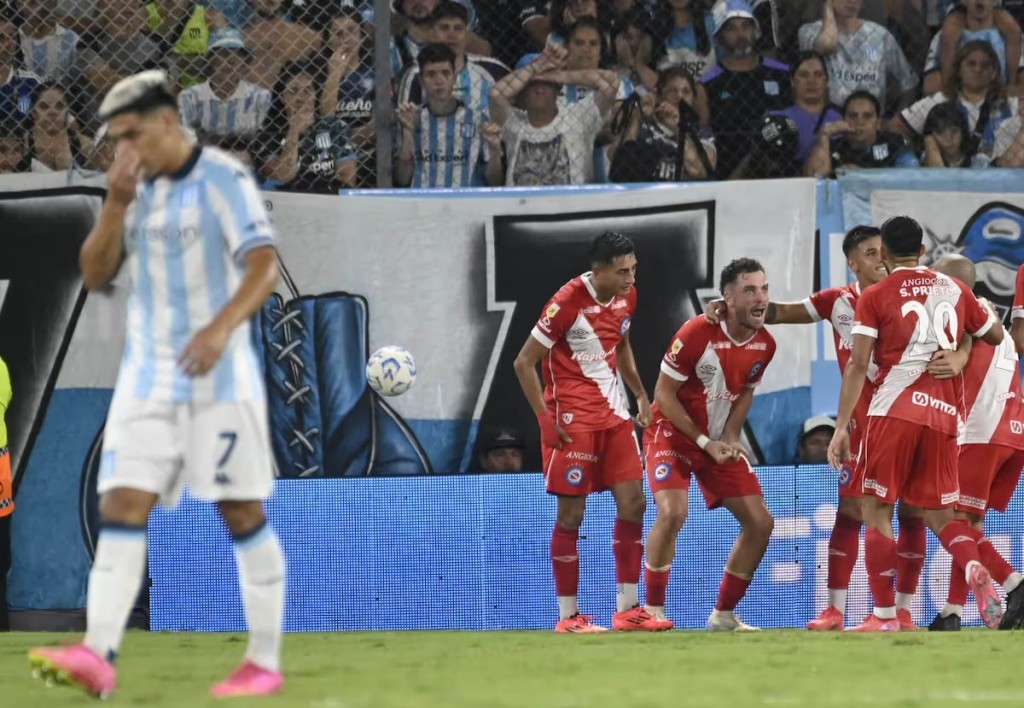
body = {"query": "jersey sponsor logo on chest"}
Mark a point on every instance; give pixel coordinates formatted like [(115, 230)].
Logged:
[(710, 396), (590, 357)]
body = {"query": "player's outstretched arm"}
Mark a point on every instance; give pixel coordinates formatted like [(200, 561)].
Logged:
[(627, 367), (777, 313), (103, 250), (853, 384), (526, 371), (206, 346)]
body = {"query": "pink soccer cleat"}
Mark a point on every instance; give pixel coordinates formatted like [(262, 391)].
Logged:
[(579, 624), (249, 680), (906, 621), (989, 604), (829, 620), (75, 665), (638, 619), (874, 623)]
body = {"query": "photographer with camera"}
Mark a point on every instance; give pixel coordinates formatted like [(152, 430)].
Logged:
[(653, 129)]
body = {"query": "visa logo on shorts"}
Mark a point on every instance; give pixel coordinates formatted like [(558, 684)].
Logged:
[(919, 398), (591, 357)]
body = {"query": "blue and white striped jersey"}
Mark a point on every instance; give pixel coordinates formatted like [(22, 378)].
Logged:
[(449, 150), (472, 84), (51, 58), (186, 236), (240, 114)]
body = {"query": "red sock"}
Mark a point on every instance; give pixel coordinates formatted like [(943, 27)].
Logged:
[(958, 587), (628, 549), (731, 591), (911, 545), (657, 585), (565, 560), (961, 541), (994, 561), (880, 559), (843, 546)]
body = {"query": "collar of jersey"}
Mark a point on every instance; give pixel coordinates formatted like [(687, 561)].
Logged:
[(590, 289), (185, 169), (738, 344)]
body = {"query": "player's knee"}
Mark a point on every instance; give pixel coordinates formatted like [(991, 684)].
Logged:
[(673, 517), (570, 516), (633, 508), (761, 525), (241, 516)]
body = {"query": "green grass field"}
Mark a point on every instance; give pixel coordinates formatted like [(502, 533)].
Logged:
[(484, 669)]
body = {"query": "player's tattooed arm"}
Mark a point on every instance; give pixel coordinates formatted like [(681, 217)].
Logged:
[(630, 374), (777, 313)]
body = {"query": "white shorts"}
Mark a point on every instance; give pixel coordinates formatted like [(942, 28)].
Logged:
[(220, 450)]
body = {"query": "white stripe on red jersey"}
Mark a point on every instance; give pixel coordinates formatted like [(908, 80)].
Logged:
[(912, 314), (992, 395), (581, 377), (838, 305), (714, 369)]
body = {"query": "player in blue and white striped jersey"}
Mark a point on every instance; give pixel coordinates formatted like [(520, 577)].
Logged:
[(445, 143), (49, 49), (475, 75), (188, 225)]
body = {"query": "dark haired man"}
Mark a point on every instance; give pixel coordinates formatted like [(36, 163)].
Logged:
[(702, 398), (587, 439)]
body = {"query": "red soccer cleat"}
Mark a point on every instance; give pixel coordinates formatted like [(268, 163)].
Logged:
[(906, 621), (249, 680), (579, 624), (76, 665), (989, 604), (874, 623), (638, 619), (829, 620)]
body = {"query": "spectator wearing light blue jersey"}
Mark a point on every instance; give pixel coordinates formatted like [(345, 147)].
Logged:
[(978, 20), (686, 38), (299, 152), (633, 43), (474, 75), (445, 143), (49, 49), (947, 141), (16, 85), (226, 104), (861, 55), (417, 16)]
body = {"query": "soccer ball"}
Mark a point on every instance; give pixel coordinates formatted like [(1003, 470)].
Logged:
[(391, 371)]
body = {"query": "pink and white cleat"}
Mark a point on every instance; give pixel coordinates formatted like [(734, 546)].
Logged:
[(989, 604), (249, 680), (75, 665)]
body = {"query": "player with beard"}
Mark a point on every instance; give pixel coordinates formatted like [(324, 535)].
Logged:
[(909, 448), (862, 247), (702, 398)]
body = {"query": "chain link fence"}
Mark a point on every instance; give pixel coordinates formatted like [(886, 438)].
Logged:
[(319, 95)]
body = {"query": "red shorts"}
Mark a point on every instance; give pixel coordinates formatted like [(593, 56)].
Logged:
[(988, 477), (671, 458), (908, 461), (851, 476), (593, 462)]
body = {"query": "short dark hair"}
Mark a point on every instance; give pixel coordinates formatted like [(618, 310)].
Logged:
[(809, 55), (446, 9), (435, 54), (583, 23), (862, 95), (858, 235), (732, 272), (902, 236), (608, 246)]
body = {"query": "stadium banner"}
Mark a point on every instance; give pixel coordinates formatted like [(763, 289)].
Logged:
[(459, 279)]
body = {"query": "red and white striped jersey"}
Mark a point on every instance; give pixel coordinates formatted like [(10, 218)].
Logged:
[(581, 378), (714, 369), (1018, 296), (913, 313), (992, 395), (838, 305)]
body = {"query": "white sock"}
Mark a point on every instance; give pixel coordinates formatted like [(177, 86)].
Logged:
[(948, 610), (261, 575), (904, 600), (114, 583), (837, 599), (656, 610), (886, 613), (721, 615), (626, 596), (1013, 581), (567, 607)]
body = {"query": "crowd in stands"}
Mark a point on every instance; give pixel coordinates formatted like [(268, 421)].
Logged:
[(528, 92)]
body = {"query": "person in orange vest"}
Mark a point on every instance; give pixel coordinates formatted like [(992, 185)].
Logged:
[(6, 494)]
